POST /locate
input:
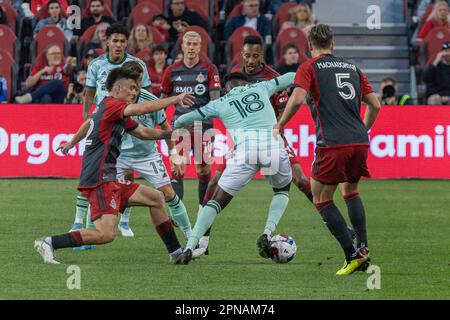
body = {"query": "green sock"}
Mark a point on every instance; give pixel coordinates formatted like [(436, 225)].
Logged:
[(277, 207), (204, 222), (178, 213), (89, 224), (81, 209), (125, 216)]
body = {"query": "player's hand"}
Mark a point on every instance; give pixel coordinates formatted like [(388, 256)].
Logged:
[(65, 148), (276, 130), (177, 163), (186, 100)]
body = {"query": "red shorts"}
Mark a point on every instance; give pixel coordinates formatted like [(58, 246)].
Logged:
[(333, 165), (109, 198), (292, 157)]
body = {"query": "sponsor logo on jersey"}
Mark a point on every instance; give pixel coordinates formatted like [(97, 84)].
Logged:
[(113, 204), (178, 78), (200, 89), (183, 89)]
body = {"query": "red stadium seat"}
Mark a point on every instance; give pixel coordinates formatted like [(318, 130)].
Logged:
[(143, 13), (146, 56), (199, 8), (434, 40), (8, 71), (43, 14), (236, 41), (11, 15), (157, 3), (237, 11), (88, 34), (157, 36), (49, 35), (8, 40), (294, 36), (283, 14)]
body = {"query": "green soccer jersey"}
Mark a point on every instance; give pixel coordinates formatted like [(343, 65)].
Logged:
[(246, 112), (134, 148), (99, 69)]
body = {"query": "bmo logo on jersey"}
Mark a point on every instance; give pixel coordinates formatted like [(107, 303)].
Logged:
[(199, 89)]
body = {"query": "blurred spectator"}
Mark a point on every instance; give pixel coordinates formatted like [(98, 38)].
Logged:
[(437, 77), (3, 18), (36, 5), (156, 70), (290, 57), (276, 4), (54, 9), (99, 41), (48, 81), (387, 94), (423, 6), (250, 18), (180, 18), (90, 55), (161, 23), (97, 9), (3, 90), (140, 38), (23, 9), (75, 90), (179, 57), (439, 18), (301, 17)]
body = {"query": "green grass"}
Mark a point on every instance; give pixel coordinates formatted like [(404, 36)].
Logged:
[(408, 227)]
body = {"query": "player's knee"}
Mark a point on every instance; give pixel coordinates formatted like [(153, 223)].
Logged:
[(203, 170), (285, 188), (169, 194), (159, 198), (107, 236)]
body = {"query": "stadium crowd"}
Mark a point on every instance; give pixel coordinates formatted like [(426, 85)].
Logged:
[(43, 59)]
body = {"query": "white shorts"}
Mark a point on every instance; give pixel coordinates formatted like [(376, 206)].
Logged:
[(151, 169), (243, 166)]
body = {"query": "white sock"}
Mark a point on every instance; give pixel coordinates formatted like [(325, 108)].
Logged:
[(78, 220), (177, 252), (187, 233), (204, 241), (268, 233), (48, 240)]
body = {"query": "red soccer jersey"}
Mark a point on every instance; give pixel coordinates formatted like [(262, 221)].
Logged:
[(336, 88), (103, 140), (279, 99), (57, 74)]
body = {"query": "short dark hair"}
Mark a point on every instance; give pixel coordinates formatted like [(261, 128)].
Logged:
[(117, 28), (321, 36), (133, 66), (159, 48), (53, 2), (235, 76), (289, 46), (159, 16), (253, 40), (101, 2), (119, 74)]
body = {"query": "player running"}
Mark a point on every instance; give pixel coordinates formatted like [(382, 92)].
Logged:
[(337, 88), (257, 71), (95, 92), (143, 157), (98, 183), (249, 117), (200, 77)]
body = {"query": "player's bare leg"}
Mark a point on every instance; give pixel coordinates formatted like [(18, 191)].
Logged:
[(124, 223), (357, 215), (323, 200), (301, 181)]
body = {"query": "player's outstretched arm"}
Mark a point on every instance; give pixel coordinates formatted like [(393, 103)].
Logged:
[(137, 109), (294, 103), (189, 118), (372, 111), (80, 135), (281, 83), (89, 94), (145, 133)]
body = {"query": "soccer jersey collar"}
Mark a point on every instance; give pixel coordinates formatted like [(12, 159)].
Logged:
[(255, 74), (117, 63)]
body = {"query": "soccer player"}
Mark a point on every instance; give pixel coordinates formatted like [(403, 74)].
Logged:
[(98, 183), (257, 71), (95, 91), (143, 157), (337, 88), (200, 77), (249, 116)]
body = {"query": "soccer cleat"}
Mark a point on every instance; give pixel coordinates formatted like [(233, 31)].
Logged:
[(76, 226), (353, 265), (85, 247), (364, 251), (198, 252), (263, 246), (182, 258), (204, 243), (45, 250), (125, 229)]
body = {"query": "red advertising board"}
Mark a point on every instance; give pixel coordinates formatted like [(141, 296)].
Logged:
[(406, 142)]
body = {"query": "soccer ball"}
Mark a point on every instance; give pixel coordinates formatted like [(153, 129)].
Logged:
[(282, 248)]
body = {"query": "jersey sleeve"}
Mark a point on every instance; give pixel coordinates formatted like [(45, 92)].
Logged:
[(214, 78), (91, 76), (280, 83), (161, 117), (130, 124), (366, 88), (114, 109), (303, 77), (146, 83), (166, 82)]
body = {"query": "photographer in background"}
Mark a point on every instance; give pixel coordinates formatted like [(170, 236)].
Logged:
[(437, 78), (75, 90), (387, 94)]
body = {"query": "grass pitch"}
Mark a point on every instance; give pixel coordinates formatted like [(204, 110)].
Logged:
[(408, 228)]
